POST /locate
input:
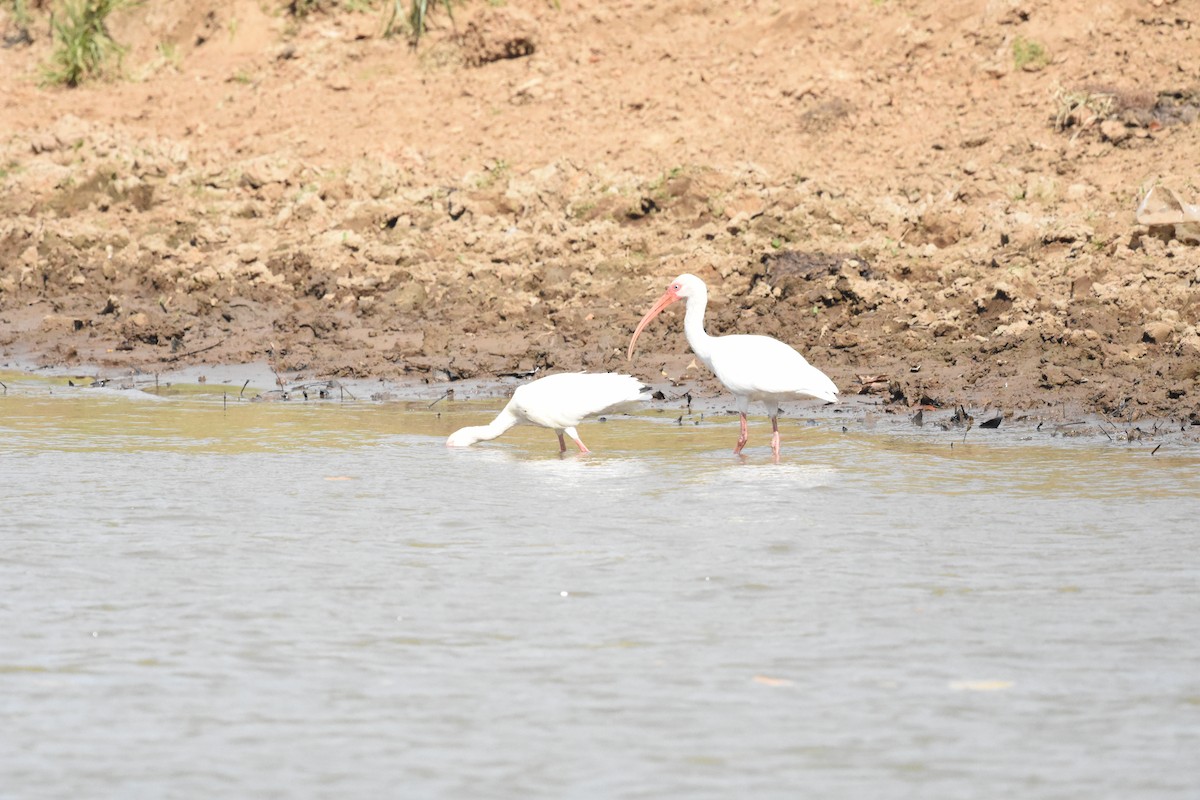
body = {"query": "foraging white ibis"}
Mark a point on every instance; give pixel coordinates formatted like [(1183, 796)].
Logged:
[(752, 367), (560, 402)]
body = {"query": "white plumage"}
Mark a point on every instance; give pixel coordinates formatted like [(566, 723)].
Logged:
[(560, 402), (751, 367)]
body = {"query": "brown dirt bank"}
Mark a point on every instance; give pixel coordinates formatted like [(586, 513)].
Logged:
[(934, 201)]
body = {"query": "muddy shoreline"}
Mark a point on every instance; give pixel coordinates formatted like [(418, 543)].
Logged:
[(678, 404), (219, 210)]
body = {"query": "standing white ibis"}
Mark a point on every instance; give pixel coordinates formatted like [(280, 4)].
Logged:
[(752, 367), (560, 402)]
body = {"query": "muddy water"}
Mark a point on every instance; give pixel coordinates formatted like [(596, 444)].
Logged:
[(210, 598)]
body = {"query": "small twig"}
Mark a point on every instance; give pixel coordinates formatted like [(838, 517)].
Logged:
[(224, 401), (193, 352), (244, 385), (967, 419), (1104, 418), (1155, 450), (440, 399), (5, 385)]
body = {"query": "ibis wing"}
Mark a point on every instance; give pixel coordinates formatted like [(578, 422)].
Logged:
[(565, 400), (759, 366)]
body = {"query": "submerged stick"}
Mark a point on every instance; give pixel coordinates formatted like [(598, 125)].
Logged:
[(194, 352), (440, 399), (969, 420)]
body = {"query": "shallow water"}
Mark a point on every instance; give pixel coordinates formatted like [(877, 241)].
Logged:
[(210, 597)]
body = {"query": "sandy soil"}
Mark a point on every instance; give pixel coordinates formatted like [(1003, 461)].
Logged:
[(933, 200)]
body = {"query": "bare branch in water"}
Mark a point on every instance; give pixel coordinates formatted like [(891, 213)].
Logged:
[(194, 352)]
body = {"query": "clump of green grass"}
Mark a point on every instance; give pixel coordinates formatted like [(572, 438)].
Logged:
[(496, 172), (418, 12), (84, 45), (1029, 55), (16, 32), (169, 53), (302, 8), (20, 13)]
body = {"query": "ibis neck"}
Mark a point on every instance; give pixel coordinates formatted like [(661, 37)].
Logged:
[(693, 326), (503, 421)]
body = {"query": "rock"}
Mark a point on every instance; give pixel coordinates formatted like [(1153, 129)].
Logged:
[(1166, 215), (384, 253), (257, 172), (1079, 191), (70, 131), (308, 207), (43, 142), (1158, 332), (497, 32), (59, 322), (455, 206), (1114, 131), (1041, 189), (353, 240), (407, 298), (738, 224), (206, 277), (1054, 376), (43, 177)]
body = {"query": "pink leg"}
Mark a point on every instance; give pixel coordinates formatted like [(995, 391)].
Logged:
[(582, 446), (743, 437), (775, 436)]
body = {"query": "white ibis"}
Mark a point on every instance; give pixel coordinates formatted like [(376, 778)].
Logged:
[(560, 402), (752, 367)]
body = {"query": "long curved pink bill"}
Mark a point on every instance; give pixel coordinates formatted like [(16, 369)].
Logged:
[(663, 302)]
